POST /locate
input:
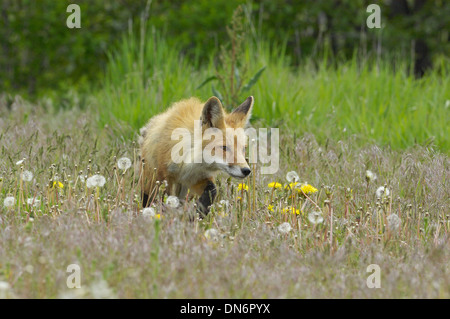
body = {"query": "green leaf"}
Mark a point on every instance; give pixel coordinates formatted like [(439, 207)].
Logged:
[(253, 80), (209, 79)]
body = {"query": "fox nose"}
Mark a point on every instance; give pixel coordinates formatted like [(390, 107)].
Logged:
[(245, 171)]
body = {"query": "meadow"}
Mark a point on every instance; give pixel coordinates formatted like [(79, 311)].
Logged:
[(368, 145)]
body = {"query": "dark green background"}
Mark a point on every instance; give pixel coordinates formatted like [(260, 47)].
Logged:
[(39, 53)]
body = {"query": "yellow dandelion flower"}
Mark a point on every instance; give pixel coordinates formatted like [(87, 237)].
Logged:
[(291, 210), (291, 185), (158, 216), (242, 186), (58, 184), (275, 185), (270, 207), (307, 189)]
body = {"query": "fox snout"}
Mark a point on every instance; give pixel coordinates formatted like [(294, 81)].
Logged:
[(237, 171), (246, 171)]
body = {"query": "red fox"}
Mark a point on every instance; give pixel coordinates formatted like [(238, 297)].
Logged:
[(157, 149)]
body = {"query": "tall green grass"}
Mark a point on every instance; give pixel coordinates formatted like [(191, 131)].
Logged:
[(364, 99), (143, 77)]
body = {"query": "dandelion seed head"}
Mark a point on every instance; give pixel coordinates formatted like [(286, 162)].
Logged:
[(315, 217), (124, 163), (95, 181), (172, 201), (9, 201), (33, 201), (382, 192), (29, 268), (73, 294), (90, 183), (393, 221), (370, 176), (284, 228), (4, 286), (292, 176), (27, 176), (149, 212), (5, 290), (101, 290), (212, 234)]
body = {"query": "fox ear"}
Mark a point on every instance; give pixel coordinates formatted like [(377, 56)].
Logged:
[(241, 115), (212, 114)]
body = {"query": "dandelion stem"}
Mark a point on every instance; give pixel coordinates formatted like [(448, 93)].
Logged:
[(271, 195), (20, 190), (315, 204), (254, 187)]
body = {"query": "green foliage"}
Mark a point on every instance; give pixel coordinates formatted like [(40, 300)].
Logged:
[(231, 72), (145, 74), (39, 53), (368, 100), (253, 80)]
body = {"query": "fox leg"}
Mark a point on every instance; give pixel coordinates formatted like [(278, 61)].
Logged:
[(145, 200), (207, 191), (148, 189), (148, 198), (180, 191), (183, 193), (149, 194)]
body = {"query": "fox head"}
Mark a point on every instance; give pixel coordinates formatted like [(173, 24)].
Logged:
[(224, 141)]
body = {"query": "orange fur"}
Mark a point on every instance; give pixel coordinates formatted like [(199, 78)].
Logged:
[(156, 145)]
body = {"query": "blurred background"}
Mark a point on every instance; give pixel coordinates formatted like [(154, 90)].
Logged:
[(137, 57), (38, 52)]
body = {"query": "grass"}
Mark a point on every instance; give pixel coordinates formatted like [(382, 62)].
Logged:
[(369, 101), (122, 253), (336, 122)]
